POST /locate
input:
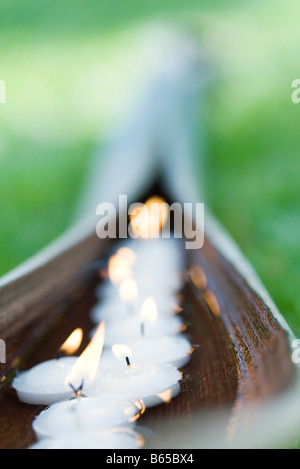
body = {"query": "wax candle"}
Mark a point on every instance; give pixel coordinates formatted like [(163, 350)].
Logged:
[(116, 309), (45, 383), (84, 414), (175, 350), (55, 380), (131, 328), (147, 324), (136, 381), (156, 284), (114, 438), (154, 269)]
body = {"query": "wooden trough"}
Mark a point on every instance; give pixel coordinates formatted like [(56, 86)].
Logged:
[(242, 354)]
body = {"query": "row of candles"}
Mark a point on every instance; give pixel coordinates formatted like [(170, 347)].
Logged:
[(132, 362)]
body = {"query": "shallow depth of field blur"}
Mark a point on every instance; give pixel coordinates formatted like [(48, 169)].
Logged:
[(72, 68)]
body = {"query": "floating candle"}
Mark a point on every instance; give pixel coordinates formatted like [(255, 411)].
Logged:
[(45, 383), (136, 381), (147, 324), (158, 282), (175, 350), (116, 309), (146, 221), (84, 414), (54, 380), (118, 269), (131, 328)]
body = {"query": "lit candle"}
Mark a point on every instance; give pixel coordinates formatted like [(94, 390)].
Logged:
[(128, 292), (148, 324), (55, 380), (154, 266), (175, 350), (159, 283), (45, 383), (118, 269), (116, 309), (137, 381)]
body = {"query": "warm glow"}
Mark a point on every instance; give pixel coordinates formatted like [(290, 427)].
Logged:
[(166, 396), (134, 418), (72, 343), (140, 405), (149, 311), (177, 309), (128, 290), (118, 269), (127, 254), (198, 277), (121, 351), (86, 366), (212, 302), (148, 220)]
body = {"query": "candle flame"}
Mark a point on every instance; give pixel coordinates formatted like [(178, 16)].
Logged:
[(72, 343), (149, 311), (121, 351), (127, 254), (86, 366), (118, 269), (128, 290), (146, 221)]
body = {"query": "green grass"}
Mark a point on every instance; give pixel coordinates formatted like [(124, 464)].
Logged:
[(70, 69), (254, 156)]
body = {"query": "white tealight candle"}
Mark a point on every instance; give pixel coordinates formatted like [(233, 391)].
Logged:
[(116, 309), (131, 328), (84, 414), (175, 350), (158, 284), (147, 324), (115, 438), (56, 380), (44, 384), (136, 381)]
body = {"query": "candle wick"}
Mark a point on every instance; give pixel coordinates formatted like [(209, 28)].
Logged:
[(143, 329), (59, 355), (78, 394), (127, 361)]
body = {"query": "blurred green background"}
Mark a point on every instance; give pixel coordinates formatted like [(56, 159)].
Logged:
[(71, 67)]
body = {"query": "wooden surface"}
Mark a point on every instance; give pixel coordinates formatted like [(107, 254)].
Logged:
[(241, 353), (45, 285)]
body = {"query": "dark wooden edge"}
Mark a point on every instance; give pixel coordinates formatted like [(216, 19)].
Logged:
[(27, 297)]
